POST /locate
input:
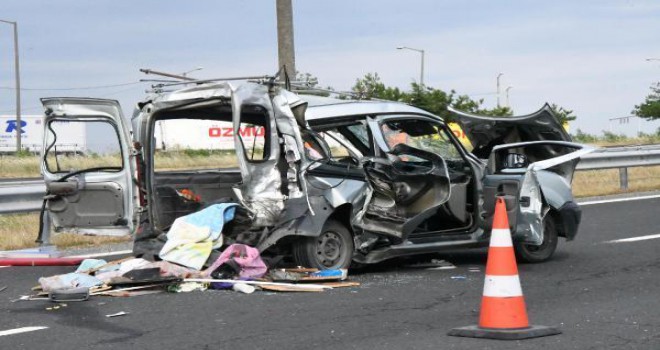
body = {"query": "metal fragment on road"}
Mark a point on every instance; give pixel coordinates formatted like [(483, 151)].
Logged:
[(120, 313)]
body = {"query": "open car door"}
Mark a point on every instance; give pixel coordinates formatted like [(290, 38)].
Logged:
[(86, 165), (407, 182)]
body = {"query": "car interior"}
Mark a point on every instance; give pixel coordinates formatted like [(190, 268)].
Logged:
[(210, 174), (456, 214)]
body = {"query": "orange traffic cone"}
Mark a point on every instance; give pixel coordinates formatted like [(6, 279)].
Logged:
[(503, 313)]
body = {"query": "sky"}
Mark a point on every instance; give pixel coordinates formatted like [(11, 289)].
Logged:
[(587, 56)]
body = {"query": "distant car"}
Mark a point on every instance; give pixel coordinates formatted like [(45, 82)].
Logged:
[(326, 181)]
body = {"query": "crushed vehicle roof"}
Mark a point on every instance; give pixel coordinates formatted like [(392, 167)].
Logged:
[(326, 107)]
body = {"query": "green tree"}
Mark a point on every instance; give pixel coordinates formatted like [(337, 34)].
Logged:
[(371, 87), (650, 108), (425, 97), (563, 115)]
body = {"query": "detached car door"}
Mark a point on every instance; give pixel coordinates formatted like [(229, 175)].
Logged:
[(408, 181), (87, 167)]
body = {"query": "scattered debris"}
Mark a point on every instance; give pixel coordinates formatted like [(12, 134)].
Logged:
[(292, 288), (187, 286), (28, 298), (434, 264), (120, 313), (341, 284), (458, 277), (243, 288), (68, 281), (62, 295), (474, 269), (238, 267), (307, 275), (3, 288)]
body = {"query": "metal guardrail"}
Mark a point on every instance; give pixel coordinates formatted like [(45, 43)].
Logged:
[(27, 195), (21, 196), (621, 158)]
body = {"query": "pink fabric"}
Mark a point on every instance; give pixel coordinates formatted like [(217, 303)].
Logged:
[(246, 257)]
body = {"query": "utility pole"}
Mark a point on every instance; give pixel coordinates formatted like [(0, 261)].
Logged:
[(19, 129), (498, 89), (285, 48)]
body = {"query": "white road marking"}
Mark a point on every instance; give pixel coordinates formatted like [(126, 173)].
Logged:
[(98, 255), (20, 330), (634, 239), (614, 200)]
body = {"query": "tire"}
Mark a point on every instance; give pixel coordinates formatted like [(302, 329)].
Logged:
[(332, 249), (528, 253)]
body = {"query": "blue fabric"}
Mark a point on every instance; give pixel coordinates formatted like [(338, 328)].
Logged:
[(191, 238), (89, 264), (209, 217)]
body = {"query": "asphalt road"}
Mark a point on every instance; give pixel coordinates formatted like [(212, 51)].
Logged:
[(601, 295)]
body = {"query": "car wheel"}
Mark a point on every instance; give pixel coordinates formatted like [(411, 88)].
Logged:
[(332, 249), (539, 253)]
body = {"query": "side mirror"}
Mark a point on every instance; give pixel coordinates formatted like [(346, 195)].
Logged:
[(515, 161)]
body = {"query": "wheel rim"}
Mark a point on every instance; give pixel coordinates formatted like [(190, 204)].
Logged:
[(329, 248)]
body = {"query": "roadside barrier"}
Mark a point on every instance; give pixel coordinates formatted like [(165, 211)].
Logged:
[(503, 313)]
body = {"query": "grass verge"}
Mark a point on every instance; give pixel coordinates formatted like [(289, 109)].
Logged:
[(18, 231)]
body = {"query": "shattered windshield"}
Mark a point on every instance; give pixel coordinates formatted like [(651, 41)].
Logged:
[(420, 134)]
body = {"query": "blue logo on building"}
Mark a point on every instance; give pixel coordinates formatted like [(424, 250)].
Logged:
[(12, 126)]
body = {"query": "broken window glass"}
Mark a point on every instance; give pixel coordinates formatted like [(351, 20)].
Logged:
[(422, 135)]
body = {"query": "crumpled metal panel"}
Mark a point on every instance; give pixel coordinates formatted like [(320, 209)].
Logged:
[(260, 189), (197, 92), (533, 214), (393, 206), (289, 128)]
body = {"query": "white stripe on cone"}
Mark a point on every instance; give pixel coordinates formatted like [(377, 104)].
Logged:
[(502, 286), (500, 237)]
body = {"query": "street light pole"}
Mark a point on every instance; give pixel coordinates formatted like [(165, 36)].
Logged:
[(507, 96), (19, 129), (498, 89), (421, 75)]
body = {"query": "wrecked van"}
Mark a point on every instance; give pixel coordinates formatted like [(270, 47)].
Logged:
[(328, 182)]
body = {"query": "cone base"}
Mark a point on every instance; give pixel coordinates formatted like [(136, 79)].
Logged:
[(504, 334)]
